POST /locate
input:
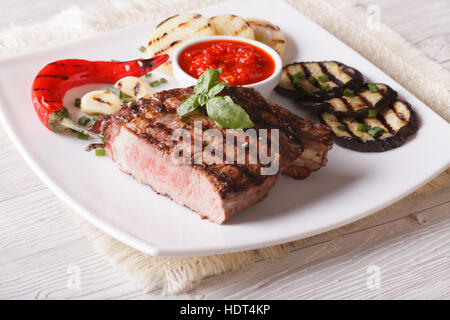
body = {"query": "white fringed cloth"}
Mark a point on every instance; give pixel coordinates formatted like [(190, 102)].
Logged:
[(385, 48)]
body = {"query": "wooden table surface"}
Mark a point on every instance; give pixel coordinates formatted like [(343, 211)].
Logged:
[(40, 244)]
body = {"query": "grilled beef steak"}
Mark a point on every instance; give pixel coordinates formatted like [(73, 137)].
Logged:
[(140, 140), (316, 139)]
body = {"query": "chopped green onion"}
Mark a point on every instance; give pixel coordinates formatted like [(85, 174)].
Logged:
[(325, 87), (77, 102), (348, 93), (376, 132), (363, 128), (342, 127), (148, 75), (163, 80), (95, 118), (298, 75), (372, 113), (84, 120), (312, 80), (297, 82), (126, 100), (100, 152), (155, 83), (323, 78), (372, 87), (82, 136), (114, 90), (297, 79), (112, 60), (142, 49)]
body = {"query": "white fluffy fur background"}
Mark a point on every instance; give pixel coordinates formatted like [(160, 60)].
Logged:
[(386, 49)]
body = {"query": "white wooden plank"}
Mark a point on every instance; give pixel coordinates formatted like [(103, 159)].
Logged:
[(423, 23), (39, 241)]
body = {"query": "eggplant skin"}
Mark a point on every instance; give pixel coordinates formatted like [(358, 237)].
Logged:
[(299, 94), (381, 145), (389, 96), (296, 95)]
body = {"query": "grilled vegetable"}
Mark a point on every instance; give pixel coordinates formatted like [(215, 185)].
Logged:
[(100, 102), (361, 104), (269, 34), (231, 25), (53, 81), (172, 32), (318, 81), (134, 87), (388, 130)]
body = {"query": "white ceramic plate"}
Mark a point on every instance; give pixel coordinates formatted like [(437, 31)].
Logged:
[(351, 186)]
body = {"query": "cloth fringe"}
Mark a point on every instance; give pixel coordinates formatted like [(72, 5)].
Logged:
[(385, 48), (172, 274)]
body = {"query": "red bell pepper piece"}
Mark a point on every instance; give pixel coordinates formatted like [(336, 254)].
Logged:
[(55, 79)]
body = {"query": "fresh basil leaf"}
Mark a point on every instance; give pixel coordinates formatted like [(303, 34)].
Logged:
[(188, 105), (218, 87), (227, 114), (202, 99), (207, 80)]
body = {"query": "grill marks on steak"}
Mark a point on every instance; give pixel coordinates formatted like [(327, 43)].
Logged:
[(316, 139), (155, 119), (140, 141)]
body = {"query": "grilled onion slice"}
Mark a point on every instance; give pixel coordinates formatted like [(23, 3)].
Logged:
[(318, 81), (173, 32), (269, 34), (361, 104), (398, 122), (232, 25)]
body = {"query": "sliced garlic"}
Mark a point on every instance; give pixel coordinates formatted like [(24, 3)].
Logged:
[(134, 87), (100, 102)]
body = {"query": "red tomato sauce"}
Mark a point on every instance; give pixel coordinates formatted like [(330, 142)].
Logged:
[(241, 63)]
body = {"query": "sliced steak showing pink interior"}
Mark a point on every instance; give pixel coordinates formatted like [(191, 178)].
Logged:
[(140, 140)]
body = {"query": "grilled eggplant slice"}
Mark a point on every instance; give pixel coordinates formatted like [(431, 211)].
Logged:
[(366, 102), (318, 81), (390, 129)]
